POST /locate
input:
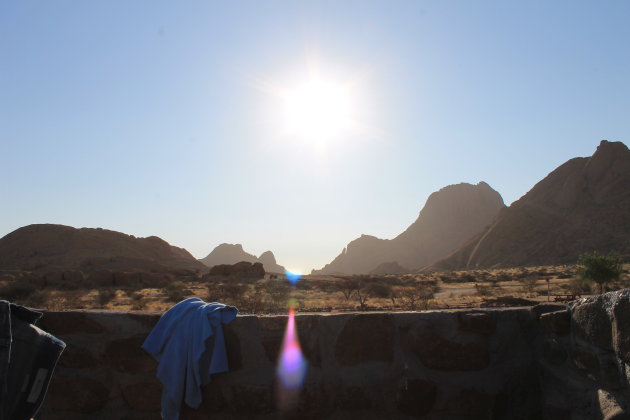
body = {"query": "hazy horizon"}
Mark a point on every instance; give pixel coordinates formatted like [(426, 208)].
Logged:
[(187, 121)]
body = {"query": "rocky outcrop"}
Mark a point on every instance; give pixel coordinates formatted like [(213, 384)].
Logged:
[(547, 362), (234, 253), (240, 270), (450, 216), (49, 247), (582, 206), (583, 357), (268, 261)]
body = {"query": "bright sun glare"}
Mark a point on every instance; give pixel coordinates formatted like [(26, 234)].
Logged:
[(318, 110)]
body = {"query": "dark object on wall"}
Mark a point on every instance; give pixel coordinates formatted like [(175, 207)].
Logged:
[(28, 357)]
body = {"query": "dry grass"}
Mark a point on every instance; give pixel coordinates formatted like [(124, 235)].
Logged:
[(322, 293)]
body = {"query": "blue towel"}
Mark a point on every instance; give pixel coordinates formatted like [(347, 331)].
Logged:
[(188, 343)]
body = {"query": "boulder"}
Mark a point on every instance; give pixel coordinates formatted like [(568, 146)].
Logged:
[(591, 321)]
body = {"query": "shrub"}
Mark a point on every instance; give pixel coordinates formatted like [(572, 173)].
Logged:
[(38, 299), (467, 278), (277, 295), (578, 286), (484, 290), (17, 290), (600, 269), (176, 290), (529, 284), (416, 296), (253, 300), (347, 286), (105, 296)]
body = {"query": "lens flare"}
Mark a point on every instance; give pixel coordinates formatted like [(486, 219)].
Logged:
[(291, 368), (293, 277)]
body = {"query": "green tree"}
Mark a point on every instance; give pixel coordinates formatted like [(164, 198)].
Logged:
[(600, 269)]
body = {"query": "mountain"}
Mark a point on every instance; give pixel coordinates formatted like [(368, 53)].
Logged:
[(582, 206), (57, 247), (450, 216), (233, 253), (268, 261)]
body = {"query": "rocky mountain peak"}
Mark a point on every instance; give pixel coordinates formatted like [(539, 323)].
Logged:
[(449, 217), (234, 253), (581, 206)]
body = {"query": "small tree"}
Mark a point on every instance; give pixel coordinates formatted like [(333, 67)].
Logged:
[(600, 269), (529, 284), (417, 296), (347, 286)]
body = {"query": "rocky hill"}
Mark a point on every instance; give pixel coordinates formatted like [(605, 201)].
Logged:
[(234, 253), (450, 216), (582, 206), (46, 247)]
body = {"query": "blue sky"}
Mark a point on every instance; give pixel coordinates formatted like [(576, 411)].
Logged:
[(157, 118)]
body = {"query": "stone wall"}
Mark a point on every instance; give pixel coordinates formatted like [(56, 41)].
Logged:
[(551, 361), (584, 355)]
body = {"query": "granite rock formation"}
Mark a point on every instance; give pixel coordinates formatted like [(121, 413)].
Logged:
[(58, 248), (241, 270), (234, 253), (450, 216), (582, 206)]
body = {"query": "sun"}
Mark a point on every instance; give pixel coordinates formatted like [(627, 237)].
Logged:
[(318, 110)]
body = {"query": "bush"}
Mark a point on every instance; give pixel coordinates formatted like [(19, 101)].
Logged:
[(467, 278), (253, 301), (105, 296), (176, 291), (277, 295), (529, 284), (484, 290), (38, 299), (416, 296), (600, 269), (578, 286), (347, 286), (230, 293), (17, 290)]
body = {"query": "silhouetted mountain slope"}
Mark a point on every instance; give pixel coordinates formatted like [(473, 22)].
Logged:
[(233, 253), (389, 268), (58, 247), (582, 206), (450, 216)]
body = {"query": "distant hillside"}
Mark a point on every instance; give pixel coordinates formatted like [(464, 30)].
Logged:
[(450, 216), (56, 247), (582, 206), (389, 268), (233, 253)]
